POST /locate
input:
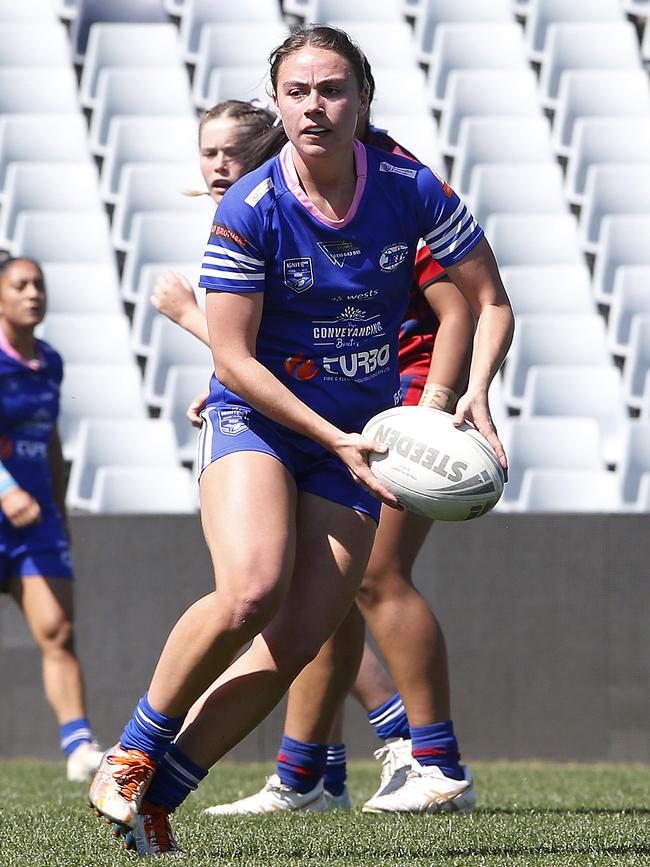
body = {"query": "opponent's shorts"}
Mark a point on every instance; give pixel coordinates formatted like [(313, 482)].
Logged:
[(229, 428), (40, 549), (412, 387)]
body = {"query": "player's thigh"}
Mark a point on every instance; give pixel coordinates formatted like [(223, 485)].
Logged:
[(47, 605), (398, 542), (333, 544), (248, 502)]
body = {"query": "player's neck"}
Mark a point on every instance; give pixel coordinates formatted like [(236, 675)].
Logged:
[(329, 184), (21, 340)]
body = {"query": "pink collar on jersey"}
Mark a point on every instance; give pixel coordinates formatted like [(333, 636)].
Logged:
[(293, 183), (8, 349)]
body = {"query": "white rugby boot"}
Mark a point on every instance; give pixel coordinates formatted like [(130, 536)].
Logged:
[(119, 785), (396, 760), (152, 834), (427, 790), (83, 761), (338, 802), (273, 798)]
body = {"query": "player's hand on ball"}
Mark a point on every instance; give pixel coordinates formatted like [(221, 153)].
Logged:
[(195, 409), (21, 508), (354, 450), (473, 408), (173, 296)]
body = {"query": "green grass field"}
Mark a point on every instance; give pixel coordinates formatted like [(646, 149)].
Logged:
[(531, 814)]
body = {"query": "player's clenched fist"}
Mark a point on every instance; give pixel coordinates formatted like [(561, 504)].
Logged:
[(20, 508)]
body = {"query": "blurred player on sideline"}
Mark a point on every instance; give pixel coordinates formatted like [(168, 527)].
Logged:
[(287, 576), (35, 564)]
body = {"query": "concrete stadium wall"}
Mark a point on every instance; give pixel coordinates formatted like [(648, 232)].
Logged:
[(546, 619)]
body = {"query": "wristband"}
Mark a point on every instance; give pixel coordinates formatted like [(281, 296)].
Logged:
[(7, 482)]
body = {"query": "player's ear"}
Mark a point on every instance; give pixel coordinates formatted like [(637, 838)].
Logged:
[(364, 101)]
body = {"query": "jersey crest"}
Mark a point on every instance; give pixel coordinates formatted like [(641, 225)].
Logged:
[(298, 274)]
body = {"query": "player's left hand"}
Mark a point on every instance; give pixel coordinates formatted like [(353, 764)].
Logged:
[(354, 450), (195, 409), (473, 408)]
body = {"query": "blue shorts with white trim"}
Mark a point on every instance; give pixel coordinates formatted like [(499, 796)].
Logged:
[(229, 428), (38, 550)]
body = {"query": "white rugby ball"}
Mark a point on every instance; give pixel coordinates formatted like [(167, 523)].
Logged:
[(433, 468)]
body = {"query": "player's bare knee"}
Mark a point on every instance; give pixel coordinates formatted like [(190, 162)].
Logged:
[(55, 636), (253, 608)]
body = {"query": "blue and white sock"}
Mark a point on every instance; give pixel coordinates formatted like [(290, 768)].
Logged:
[(300, 765), (436, 744), (149, 731), (389, 720), (176, 776), (73, 733), (336, 770)]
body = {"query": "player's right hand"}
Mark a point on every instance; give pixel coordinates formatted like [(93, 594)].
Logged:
[(197, 406), (354, 450), (173, 296), (21, 509)]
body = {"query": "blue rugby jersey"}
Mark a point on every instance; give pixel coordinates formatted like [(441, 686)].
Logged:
[(335, 291), (29, 408)]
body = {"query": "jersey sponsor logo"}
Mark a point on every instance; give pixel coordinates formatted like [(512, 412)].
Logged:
[(338, 251), (392, 256), (357, 296), (224, 232), (358, 365), (350, 326), (397, 170), (446, 189), (31, 449), (298, 274), (300, 367), (258, 192), (233, 422)]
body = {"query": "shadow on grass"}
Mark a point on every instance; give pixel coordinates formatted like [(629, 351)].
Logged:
[(514, 851), (565, 811)]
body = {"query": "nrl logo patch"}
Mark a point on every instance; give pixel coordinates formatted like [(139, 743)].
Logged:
[(338, 251), (392, 256), (233, 421), (298, 274)]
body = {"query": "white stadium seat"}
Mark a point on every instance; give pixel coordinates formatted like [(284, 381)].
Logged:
[(552, 340), (160, 238), (45, 187), (472, 46), (126, 46), (145, 314), (21, 140), (171, 346), (642, 503), (437, 12), (551, 443), (38, 13), (184, 384), (157, 187), (373, 36), (325, 11), (637, 8), (26, 45), (63, 236), (588, 45), (592, 392), (631, 297), (93, 12), (144, 490), (570, 491), (38, 90), (417, 133), (67, 9), (499, 140), (84, 338), (475, 93), (534, 239), (549, 289), (143, 140), (645, 44), (611, 190), (543, 13), (97, 391), (246, 83), (623, 241), (516, 188), (598, 93), (600, 140), (175, 7), (120, 442), (400, 91), (635, 462), (228, 45), (82, 288), (199, 13), (139, 92), (636, 373)]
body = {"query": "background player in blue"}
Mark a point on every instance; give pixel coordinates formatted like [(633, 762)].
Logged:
[(34, 556), (289, 534)]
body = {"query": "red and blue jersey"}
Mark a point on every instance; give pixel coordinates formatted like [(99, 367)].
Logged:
[(335, 291), (29, 408)]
